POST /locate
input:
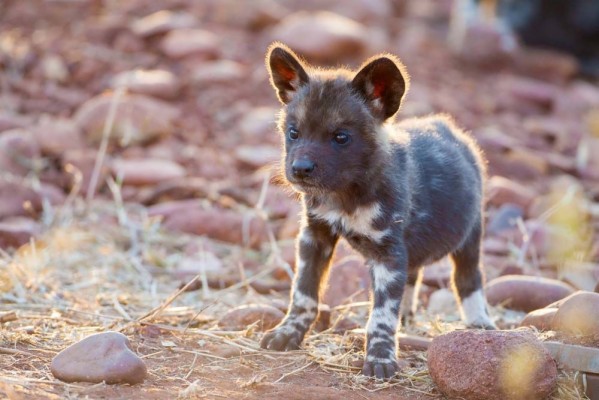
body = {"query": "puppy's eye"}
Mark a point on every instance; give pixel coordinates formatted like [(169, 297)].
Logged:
[(341, 138), (292, 133)]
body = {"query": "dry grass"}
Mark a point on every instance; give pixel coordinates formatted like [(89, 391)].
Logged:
[(84, 276)]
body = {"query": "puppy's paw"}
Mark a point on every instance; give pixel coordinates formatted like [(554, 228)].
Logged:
[(282, 338), (384, 369)]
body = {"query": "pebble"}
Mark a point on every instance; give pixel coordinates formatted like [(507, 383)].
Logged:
[(152, 82), (525, 293), (161, 22), (266, 317), (185, 42), (103, 357), (17, 231), (139, 172), (501, 190), (138, 118)]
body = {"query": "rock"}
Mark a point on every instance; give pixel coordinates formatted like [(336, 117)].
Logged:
[(266, 317), (437, 275), (322, 35), (261, 14), (323, 321), (257, 156), (57, 135), (19, 152), (591, 383), (217, 223), (349, 280), (17, 231), (345, 324), (138, 118), (501, 190), (570, 356), (139, 172), (547, 65), (541, 319), (364, 10), (152, 82), (581, 275), (17, 199), (484, 44), (525, 293), (221, 72), (411, 342), (520, 163), (442, 302), (259, 126), (491, 365), (532, 91), (505, 218), (162, 22), (185, 42), (577, 318), (9, 120), (103, 357)]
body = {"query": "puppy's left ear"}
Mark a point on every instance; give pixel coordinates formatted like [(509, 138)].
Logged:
[(382, 82)]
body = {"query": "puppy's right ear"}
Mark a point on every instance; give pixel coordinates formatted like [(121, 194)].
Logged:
[(287, 74)]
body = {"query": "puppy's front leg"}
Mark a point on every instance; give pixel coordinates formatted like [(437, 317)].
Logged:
[(388, 280), (315, 247)]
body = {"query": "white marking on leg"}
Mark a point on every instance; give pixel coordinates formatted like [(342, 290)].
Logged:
[(474, 310), (383, 275), (385, 315)]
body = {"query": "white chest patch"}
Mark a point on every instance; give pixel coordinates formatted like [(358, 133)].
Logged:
[(359, 222)]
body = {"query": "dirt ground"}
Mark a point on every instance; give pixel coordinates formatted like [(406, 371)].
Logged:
[(79, 258)]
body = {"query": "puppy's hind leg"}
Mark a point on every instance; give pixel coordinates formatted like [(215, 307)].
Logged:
[(467, 281)]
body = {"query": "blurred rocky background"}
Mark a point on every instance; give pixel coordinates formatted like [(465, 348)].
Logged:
[(165, 108)]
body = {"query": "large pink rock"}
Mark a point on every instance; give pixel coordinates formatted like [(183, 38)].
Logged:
[(103, 357), (525, 293), (491, 365)]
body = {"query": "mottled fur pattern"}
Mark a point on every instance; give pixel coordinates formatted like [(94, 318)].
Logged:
[(404, 195)]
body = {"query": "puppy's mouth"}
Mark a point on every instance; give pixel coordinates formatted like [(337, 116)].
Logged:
[(305, 185)]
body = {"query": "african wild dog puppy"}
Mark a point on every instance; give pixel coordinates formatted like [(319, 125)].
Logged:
[(404, 195)]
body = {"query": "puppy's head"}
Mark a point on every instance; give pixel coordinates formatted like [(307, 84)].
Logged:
[(332, 119)]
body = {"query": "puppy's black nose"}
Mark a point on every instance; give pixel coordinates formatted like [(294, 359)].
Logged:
[(302, 168)]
